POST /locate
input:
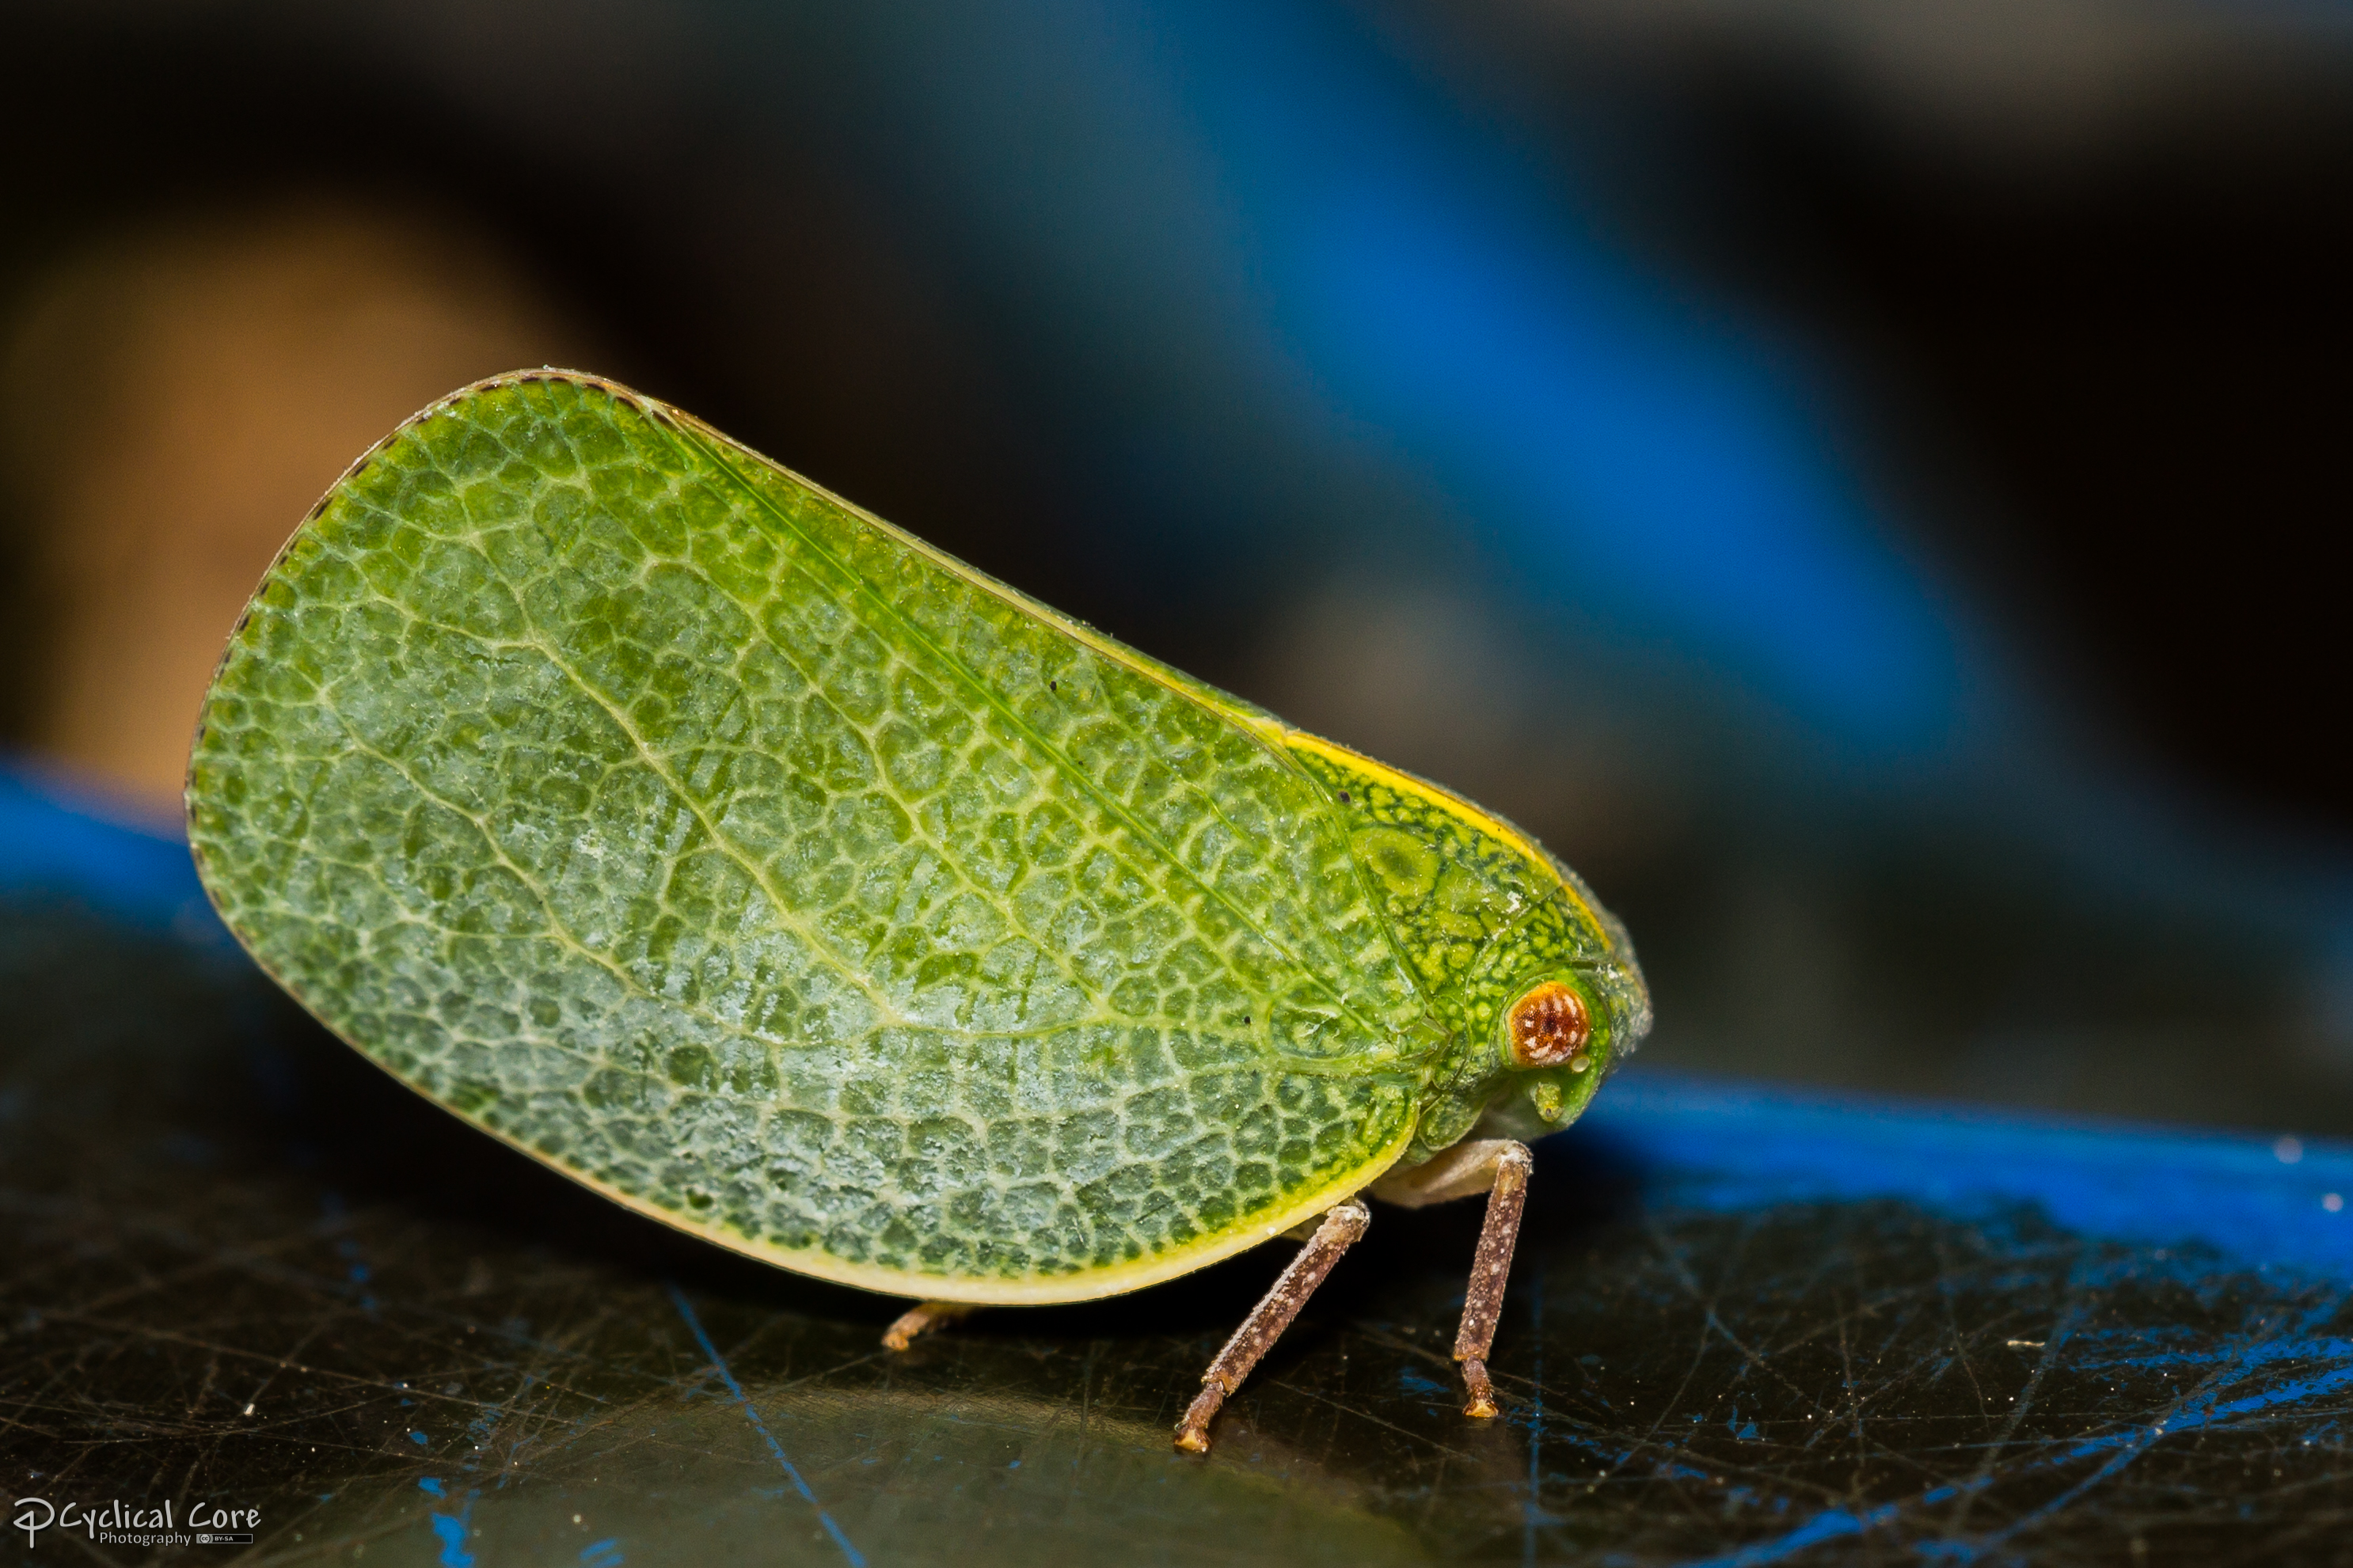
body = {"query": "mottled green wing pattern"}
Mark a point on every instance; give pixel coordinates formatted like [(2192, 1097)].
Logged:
[(752, 862)]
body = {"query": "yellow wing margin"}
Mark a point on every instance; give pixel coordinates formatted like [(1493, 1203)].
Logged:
[(1474, 818)]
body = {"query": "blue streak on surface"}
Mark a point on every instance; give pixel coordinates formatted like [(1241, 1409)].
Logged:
[(1730, 1147), (2229, 1199), (2116, 1451), (1414, 1383), (1828, 1525), (450, 1528), (2201, 1408), (726, 1375)]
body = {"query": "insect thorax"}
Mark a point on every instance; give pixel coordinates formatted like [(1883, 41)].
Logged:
[(1484, 919)]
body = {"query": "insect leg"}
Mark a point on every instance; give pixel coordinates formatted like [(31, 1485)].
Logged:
[(1491, 1266), (1340, 1230), (922, 1318)]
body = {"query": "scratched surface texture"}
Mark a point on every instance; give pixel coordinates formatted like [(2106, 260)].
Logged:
[(240, 1265)]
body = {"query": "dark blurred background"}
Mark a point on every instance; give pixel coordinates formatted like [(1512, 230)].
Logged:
[(1857, 479)]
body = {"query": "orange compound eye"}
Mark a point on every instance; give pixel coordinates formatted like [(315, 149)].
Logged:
[(1548, 1025)]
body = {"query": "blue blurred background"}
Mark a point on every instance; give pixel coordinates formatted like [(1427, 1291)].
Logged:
[(1859, 481)]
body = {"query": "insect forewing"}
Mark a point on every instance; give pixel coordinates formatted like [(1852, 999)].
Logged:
[(774, 873)]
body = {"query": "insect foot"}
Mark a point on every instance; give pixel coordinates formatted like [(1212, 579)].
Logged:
[(1341, 1229), (1491, 1268), (922, 1319)]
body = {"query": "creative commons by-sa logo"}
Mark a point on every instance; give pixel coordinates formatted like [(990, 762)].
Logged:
[(119, 1523)]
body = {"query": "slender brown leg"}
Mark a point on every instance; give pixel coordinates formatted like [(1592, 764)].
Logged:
[(923, 1319), (1484, 1301), (1340, 1230)]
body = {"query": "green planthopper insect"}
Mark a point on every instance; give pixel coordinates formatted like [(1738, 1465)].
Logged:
[(779, 876)]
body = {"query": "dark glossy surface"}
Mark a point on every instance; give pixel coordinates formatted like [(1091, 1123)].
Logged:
[(239, 1266)]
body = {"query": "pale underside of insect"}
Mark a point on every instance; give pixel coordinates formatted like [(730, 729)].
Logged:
[(779, 876)]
